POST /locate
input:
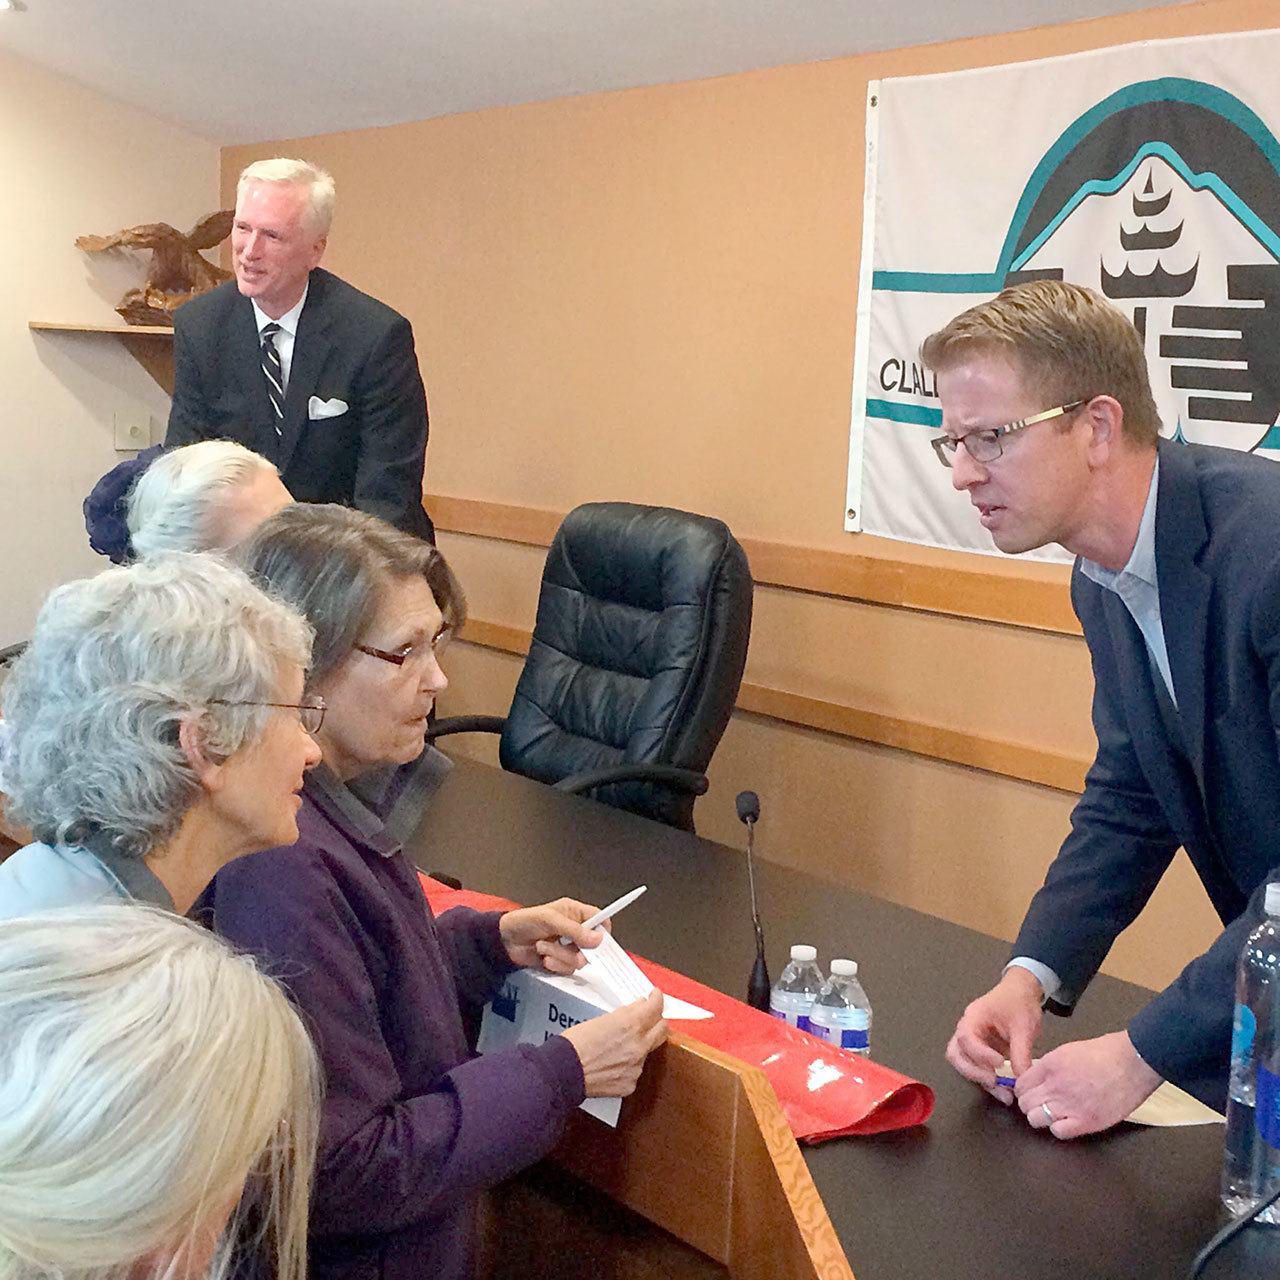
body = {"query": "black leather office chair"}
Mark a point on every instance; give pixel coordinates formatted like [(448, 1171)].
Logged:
[(636, 660)]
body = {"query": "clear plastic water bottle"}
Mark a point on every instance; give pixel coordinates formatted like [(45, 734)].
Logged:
[(842, 1013), (793, 994), (1251, 1162)]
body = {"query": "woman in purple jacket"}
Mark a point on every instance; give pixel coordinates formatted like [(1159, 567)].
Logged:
[(413, 1127)]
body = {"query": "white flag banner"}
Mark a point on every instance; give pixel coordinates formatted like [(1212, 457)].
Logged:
[(1149, 172)]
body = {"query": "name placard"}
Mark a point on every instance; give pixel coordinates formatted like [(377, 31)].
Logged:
[(533, 1006)]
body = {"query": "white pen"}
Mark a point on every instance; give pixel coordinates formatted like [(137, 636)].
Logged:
[(607, 913)]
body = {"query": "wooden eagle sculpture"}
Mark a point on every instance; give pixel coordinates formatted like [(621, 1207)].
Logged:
[(178, 271)]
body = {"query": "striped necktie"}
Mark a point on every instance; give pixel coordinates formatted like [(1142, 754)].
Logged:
[(274, 374)]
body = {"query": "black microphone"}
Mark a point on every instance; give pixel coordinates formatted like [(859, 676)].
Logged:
[(748, 804)]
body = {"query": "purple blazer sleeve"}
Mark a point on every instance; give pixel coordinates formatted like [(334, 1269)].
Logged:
[(392, 1155)]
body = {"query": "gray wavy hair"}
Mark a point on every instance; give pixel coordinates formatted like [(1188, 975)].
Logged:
[(147, 1072), (117, 662), (173, 504)]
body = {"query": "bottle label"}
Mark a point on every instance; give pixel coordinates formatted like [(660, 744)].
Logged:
[(1267, 1115), (846, 1037), (855, 1038), (1243, 1029), (783, 1016), (802, 1023)]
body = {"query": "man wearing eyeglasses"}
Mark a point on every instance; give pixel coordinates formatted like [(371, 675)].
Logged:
[(1051, 429)]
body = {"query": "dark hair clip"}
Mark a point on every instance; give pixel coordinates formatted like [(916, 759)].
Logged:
[(105, 507)]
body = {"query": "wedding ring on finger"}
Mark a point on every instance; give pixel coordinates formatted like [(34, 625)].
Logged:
[(1048, 1115)]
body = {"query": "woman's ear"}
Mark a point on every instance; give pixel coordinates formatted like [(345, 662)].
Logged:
[(208, 771)]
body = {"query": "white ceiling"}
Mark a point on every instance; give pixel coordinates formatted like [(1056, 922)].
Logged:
[(253, 70)]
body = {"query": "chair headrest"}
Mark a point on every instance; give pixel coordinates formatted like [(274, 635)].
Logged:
[(649, 557)]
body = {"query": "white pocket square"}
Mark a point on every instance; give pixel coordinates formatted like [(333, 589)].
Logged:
[(317, 408)]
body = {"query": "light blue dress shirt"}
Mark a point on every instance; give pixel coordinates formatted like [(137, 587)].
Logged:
[(1137, 584)]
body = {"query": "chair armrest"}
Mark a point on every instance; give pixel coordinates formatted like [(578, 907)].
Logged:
[(464, 724), (667, 775)]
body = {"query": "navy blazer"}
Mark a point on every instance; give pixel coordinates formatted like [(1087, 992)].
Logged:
[(349, 347), (1217, 793)]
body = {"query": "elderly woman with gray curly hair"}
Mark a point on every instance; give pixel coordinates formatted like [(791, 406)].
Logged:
[(158, 730)]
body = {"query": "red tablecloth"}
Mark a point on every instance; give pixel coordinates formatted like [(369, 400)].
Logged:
[(825, 1092)]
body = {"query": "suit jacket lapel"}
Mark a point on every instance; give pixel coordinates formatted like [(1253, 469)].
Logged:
[(1184, 589), (1136, 672), (310, 350)]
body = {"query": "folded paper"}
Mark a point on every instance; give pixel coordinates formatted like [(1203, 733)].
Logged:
[(1171, 1107)]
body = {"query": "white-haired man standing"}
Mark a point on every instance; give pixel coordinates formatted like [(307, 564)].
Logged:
[(298, 365)]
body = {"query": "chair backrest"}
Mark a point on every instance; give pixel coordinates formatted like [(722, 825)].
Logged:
[(638, 651)]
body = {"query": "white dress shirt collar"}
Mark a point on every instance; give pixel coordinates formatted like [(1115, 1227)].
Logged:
[(288, 322)]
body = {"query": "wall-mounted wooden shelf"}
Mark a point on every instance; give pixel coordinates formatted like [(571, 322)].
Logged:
[(149, 344), (159, 330)]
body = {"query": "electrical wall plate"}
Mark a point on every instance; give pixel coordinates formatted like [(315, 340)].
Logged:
[(132, 430)]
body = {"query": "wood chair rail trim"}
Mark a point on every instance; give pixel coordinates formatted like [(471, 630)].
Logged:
[(959, 584), (1059, 770)]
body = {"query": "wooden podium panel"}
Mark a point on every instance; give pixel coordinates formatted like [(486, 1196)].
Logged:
[(704, 1151), (546, 1222)]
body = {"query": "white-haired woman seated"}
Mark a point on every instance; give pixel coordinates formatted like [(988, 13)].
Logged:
[(158, 730), (147, 1074), (201, 497)]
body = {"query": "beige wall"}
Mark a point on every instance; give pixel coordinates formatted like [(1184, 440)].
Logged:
[(650, 295), (73, 162)]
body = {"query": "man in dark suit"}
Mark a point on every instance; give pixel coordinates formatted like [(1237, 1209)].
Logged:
[(1051, 429), (300, 366)]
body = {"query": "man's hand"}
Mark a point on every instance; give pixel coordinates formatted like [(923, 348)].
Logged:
[(1086, 1086), (1002, 1024), (532, 935), (612, 1048)]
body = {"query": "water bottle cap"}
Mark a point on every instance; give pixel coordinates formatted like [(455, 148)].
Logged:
[(844, 968), (806, 955), (1271, 899)]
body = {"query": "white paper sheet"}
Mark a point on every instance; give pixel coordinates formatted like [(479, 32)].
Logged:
[(611, 978)]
